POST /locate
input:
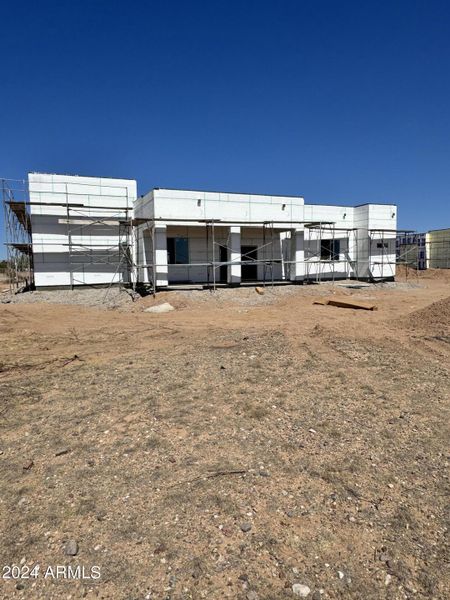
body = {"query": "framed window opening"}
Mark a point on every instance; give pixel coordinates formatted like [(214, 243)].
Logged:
[(177, 250), (330, 249)]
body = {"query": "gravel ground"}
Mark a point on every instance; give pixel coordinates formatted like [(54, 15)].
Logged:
[(125, 300), (102, 298)]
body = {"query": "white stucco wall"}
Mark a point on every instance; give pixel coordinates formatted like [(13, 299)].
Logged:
[(240, 213), (191, 204), (50, 229)]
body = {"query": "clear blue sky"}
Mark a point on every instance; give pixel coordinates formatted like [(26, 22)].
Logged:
[(339, 101)]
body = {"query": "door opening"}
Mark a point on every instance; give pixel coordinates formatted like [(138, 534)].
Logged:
[(249, 269), (223, 257)]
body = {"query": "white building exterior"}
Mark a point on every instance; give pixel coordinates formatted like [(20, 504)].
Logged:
[(75, 224), (437, 242), (82, 227), (280, 234)]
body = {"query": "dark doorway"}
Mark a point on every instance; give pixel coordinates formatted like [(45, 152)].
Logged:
[(249, 269), (223, 257)]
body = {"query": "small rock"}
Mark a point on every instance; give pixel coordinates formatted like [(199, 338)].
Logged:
[(312, 430), (264, 473), (300, 590), (27, 465), (160, 308), (290, 513), (101, 515), (387, 579), (341, 575), (316, 595), (71, 548), (62, 451), (245, 527), (196, 573), (259, 290), (252, 595)]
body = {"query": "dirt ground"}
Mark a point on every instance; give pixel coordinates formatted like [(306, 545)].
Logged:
[(233, 448)]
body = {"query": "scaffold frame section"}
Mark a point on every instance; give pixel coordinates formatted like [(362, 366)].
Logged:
[(18, 241), (436, 254), (117, 254), (315, 258), (268, 228), (379, 235), (78, 218)]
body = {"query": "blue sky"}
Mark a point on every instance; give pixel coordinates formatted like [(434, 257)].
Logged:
[(341, 102)]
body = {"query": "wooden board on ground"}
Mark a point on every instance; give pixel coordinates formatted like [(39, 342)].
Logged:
[(346, 304)]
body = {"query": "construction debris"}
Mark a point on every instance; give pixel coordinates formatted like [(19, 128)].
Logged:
[(259, 290), (346, 304), (160, 308)]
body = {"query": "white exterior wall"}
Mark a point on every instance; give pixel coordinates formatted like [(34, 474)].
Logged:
[(241, 215), (188, 204), (300, 246), (167, 204), (50, 227), (382, 243), (342, 218), (374, 261)]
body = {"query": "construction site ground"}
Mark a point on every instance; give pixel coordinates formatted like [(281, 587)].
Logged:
[(246, 446)]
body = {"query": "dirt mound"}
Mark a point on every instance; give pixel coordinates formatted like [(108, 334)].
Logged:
[(409, 273), (442, 274), (434, 316)]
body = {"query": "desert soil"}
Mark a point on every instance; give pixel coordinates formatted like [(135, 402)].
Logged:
[(232, 448)]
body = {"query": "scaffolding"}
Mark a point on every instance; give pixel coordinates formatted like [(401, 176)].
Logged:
[(419, 251), (83, 221), (18, 241), (325, 268), (116, 255), (329, 251), (410, 251), (382, 260), (326, 258), (391, 258)]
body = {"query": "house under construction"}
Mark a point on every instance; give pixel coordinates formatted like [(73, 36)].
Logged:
[(66, 231)]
